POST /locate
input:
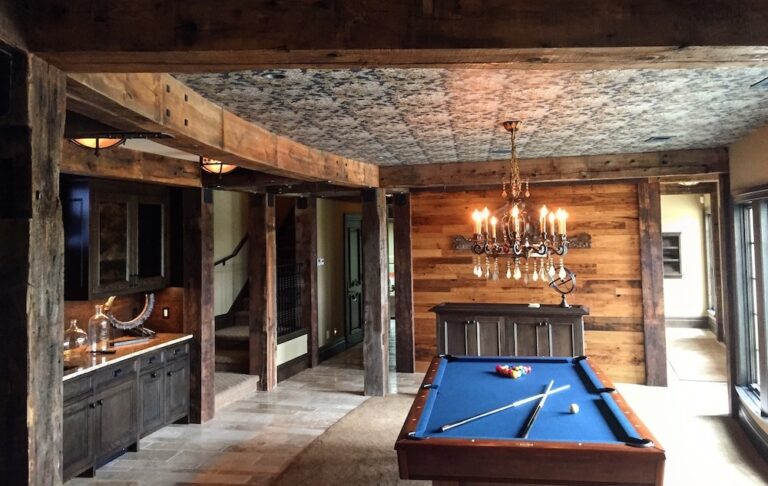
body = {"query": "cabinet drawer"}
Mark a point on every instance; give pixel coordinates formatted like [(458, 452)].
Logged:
[(76, 387), (115, 373), (150, 360), (176, 352)]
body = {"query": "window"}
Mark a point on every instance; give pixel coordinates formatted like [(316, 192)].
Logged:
[(752, 270), (670, 247)]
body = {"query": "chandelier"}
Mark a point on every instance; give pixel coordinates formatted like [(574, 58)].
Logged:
[(509, 232)]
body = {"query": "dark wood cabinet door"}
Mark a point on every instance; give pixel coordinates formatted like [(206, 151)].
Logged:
[(117, 416), (78, 432), (152, 401), (176, 390)]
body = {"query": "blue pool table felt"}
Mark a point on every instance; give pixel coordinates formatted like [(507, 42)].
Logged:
[(467, 386)]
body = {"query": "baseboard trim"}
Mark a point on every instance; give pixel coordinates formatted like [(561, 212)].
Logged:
[(290, 368), (332, 349), (693, 322)]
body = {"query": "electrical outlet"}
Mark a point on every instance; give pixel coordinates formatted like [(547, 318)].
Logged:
[(166, 312)]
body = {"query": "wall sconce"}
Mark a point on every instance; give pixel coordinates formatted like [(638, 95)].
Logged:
[(215, 166), (98, 143)]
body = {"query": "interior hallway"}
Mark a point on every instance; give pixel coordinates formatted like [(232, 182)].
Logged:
[(253, 440)]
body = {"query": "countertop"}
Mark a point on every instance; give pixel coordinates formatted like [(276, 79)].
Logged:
[(85, 362)]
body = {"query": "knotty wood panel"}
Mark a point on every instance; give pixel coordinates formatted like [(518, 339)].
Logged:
[(608, 274)]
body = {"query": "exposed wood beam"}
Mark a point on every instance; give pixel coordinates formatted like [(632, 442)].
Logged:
[(161, 103), (675, 188), (262, 278), (199, 35), (651, 269), (31, 275), (306, 256), (405, 357), (130, 165), (246, 181), (375, 293), (197, 210), (560, 169)]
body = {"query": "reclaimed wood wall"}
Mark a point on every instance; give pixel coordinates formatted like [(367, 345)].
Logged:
[(608, 274)]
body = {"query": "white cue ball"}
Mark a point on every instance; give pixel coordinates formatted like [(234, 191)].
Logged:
[(574, 408)]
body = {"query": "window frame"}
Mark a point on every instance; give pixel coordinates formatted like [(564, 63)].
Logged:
[(679, 260)]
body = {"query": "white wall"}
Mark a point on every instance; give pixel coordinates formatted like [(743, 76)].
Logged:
[(686, 296), (230, 224), (749, 161)]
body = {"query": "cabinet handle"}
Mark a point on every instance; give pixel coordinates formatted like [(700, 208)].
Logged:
[(151, 359), (100, 402), (92, 405), (118, 372), (154, 375), (176, 351), (170, 373)]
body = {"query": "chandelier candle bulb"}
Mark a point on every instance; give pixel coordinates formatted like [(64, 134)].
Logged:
[(542, 219), (551, 223), (494, 220), (486, 213), (477, 217)]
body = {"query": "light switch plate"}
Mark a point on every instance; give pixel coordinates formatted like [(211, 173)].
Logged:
[(320, 261)]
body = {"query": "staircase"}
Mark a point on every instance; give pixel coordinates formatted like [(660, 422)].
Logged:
[(232, 341)]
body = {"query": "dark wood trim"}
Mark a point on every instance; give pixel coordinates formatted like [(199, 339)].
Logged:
[(331, 349), (674, 188), (306, 256), (262, 274), (745, 195), (652, 270), (290, 368), (32, 282), (198, 300), (732, 285), (690, 322), (760, 218), (718, 264), (405, 355), (375, 293)]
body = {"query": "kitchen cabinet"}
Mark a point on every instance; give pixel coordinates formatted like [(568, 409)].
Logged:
[(116, 237), (108, 409), (469, 329)]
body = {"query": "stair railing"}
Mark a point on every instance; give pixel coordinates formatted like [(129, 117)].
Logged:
[(223, 261)]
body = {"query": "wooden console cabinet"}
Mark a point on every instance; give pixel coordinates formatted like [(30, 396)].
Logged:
[(509, 329), (108, 409)]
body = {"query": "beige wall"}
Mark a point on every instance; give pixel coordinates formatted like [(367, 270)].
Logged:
[(330, 276), (686, 296), (230, 213), (749, 161)]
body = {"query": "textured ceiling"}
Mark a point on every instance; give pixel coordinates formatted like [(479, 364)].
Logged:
[(414, 116)]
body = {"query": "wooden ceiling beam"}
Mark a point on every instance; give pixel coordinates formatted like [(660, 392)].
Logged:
[(200, 35), (130, 165), (559, 169), (161, 103)]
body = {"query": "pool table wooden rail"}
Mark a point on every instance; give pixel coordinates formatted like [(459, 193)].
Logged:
[(464, 461)]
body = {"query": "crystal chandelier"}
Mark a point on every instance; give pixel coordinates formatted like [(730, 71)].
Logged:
[(510, 234)]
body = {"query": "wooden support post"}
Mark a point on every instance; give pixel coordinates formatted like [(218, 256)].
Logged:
[(652, 270), (306, 256), (729, 313), (31, 274), (405, 356), (262, 277), (198, 300), (375, 294)]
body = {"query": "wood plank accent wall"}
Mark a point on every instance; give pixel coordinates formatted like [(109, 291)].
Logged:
[(609, 281)]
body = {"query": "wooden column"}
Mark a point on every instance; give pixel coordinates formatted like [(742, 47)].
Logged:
[(262, 278), (652, 270), (306, 256), (31, 274), (730, 259), (375, 294), (405, 356), (198, 300)]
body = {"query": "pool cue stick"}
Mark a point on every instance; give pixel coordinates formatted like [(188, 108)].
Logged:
[(536, 411), (501, 409)]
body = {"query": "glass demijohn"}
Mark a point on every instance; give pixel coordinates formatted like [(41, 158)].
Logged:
[(98, 331), (74, 338)]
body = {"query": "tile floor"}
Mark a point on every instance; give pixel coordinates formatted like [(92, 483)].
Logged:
[(252, 440)]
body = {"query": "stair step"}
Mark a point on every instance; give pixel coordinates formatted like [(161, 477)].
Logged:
[(231, 387), (233, 333)]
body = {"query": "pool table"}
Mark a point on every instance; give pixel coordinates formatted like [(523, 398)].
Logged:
[(603, 443)]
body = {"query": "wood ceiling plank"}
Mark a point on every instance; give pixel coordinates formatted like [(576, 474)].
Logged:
[(160, 103), (560, 169), (236, 34)]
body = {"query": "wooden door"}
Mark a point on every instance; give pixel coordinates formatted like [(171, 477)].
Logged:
[(117, 417), (176, 390), (78, 435), (152, 401), (353, 278)]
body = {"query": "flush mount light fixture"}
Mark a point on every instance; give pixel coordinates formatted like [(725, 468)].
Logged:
[(97, 141), (215, 166)]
